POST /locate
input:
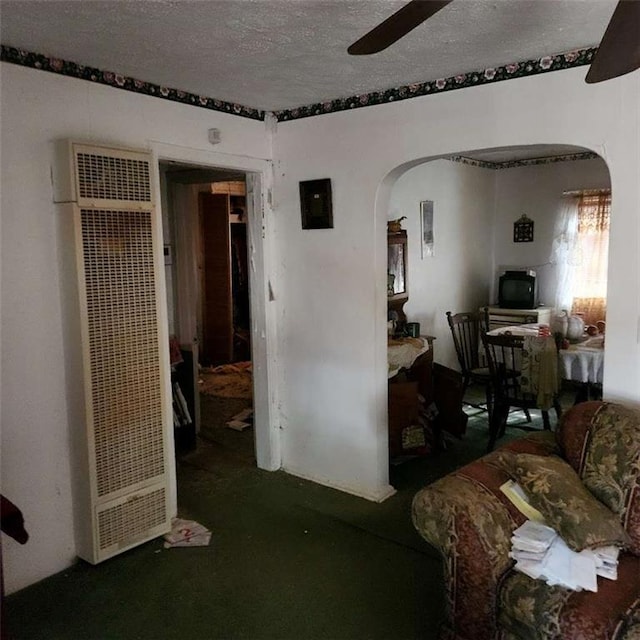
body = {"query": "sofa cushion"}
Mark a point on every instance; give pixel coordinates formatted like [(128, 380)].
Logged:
[(556, 490), (601, 441), (532, 610)]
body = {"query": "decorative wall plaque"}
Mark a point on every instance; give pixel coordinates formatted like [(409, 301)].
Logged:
[(523, 229)]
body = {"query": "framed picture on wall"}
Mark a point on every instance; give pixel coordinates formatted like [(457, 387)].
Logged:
[(426, 228), (523, 229), (315, 204)]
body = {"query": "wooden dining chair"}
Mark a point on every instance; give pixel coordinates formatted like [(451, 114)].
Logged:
[(466, 328), (505, 356)]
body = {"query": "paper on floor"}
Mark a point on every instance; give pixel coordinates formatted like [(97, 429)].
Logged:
[(238, 425), (242, 420), (187, 533)]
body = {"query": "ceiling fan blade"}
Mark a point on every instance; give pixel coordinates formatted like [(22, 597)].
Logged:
[(619, 50), (396, 26)]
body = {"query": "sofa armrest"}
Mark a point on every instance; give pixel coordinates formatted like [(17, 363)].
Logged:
[(469, 521)]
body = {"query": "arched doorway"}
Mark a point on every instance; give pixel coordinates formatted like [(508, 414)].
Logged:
[(477, 196)]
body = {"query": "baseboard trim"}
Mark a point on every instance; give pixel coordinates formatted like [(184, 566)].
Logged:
[(379, 495)]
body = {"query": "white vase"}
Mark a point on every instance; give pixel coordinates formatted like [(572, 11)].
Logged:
[(575, 329)]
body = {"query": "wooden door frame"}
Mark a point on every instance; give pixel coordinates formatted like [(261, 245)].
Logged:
[(259, 179)]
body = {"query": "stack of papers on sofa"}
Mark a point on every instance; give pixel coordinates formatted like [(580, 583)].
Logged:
[(541, 553)]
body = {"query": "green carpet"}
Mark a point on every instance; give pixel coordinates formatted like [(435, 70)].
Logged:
[(282, 563), (288, 559)]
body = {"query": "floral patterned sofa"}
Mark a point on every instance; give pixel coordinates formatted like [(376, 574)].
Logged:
[(468, 519)]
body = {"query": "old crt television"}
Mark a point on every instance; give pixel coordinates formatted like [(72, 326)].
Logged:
[(517, 290)]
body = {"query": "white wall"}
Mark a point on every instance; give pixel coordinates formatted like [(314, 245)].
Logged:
[(536, 192), (332, 284), (38, 108), (457, 276)]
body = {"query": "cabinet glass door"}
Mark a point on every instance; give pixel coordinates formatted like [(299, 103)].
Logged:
[(397, 265)]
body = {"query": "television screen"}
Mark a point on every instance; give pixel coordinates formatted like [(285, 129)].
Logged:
[(517, 290)]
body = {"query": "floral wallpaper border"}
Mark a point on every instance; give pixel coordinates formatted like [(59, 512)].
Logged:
[(546, 64), (528, 162), (67, 68)]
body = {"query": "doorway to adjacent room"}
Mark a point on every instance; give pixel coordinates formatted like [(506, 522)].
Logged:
[(205, 229)]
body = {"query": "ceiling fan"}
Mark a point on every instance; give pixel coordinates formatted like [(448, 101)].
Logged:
[(618, 53)]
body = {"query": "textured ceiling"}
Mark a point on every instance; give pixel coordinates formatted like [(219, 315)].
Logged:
[(280, 54)]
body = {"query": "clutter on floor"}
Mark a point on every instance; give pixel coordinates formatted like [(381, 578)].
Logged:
[(187, 533), (242, 420), (228, 380), (181, 413)]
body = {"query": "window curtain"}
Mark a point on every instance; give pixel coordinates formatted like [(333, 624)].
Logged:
[(564, 251), (580, 252), (590, 286)]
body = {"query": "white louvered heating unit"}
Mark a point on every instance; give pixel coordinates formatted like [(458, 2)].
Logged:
[(123, 451)]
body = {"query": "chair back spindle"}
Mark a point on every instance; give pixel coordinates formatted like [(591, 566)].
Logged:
[(505, 358), (465, 332)]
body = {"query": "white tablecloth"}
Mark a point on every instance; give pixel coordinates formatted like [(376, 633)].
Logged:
[(583, 362)]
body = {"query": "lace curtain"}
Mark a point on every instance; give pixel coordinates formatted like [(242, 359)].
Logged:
[(564, 251), (580, 252)]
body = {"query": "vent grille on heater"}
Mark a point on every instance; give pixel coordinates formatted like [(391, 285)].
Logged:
[(123, 346), (111, 178), (125, 522)]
